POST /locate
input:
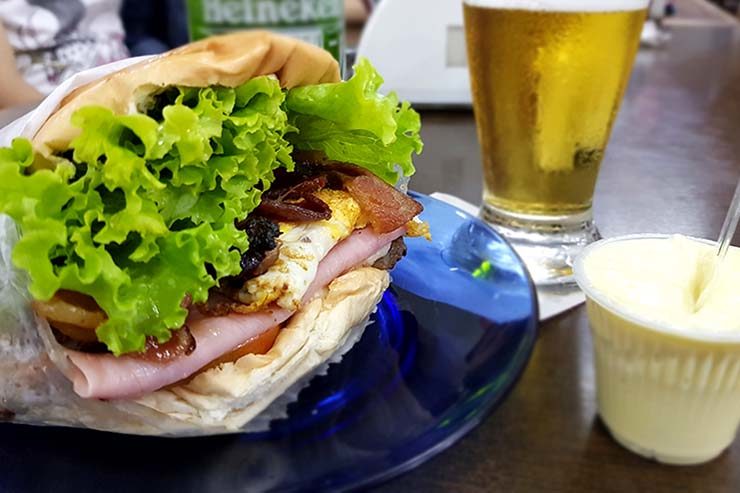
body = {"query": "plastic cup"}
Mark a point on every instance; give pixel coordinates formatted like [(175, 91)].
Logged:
[(664, 392)]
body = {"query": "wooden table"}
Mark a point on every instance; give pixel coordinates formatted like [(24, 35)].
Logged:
[(671, 167)]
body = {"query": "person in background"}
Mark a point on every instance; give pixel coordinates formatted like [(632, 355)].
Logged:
[(357, 11), (15, 90), (44, 42), (154, 27)]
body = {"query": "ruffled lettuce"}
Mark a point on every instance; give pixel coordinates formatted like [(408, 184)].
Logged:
[(139, 212), (142, 212), (351, 122)]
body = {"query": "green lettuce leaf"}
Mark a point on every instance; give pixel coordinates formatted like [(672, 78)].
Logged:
[(139, 212), (351, 122), (142, 212)]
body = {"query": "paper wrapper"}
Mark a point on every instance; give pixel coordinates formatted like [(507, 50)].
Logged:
[(29, 124), (32, 388), (34, 391)]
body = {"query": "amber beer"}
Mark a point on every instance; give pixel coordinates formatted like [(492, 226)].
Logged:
[(547, 84)]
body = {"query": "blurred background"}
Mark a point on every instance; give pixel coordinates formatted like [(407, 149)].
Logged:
[(43, 42)]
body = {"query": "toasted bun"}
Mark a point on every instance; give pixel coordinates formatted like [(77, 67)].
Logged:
[(227, 397), (227, 60)]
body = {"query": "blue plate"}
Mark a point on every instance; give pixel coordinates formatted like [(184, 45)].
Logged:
[(449, 341)]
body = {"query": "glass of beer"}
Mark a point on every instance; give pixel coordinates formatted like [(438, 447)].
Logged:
[(547, 78)]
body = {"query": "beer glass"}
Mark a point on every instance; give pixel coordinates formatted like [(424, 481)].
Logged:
[(547, 78)]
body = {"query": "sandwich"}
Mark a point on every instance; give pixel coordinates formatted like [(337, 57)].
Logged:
[(195, 235)]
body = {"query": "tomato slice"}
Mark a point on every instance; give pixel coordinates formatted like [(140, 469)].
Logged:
[(259, 344)]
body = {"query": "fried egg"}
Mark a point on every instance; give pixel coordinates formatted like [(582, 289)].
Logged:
[(302, 247)]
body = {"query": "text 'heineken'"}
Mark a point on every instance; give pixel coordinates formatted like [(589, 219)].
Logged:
[(319, 22)]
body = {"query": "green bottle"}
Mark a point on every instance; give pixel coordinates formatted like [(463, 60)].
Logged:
[(319, 22)]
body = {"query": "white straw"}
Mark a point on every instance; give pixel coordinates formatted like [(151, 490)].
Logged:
[(723, 244)]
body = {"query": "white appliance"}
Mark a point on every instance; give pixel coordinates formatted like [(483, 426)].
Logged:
[(419, 48)]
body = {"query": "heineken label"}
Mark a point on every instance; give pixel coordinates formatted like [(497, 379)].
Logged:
[(319, 22)]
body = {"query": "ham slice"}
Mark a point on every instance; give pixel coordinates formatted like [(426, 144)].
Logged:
[(104, 376)]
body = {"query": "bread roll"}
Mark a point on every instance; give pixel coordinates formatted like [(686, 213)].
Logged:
[(226, 60)]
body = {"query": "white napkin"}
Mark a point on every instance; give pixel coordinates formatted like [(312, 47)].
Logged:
[(552, 301)]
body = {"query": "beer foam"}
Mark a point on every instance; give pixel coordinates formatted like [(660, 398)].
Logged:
[(562, 5)]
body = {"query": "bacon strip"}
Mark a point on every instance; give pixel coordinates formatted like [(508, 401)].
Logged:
[(103, 376), (182, 343), (385, 207), (296, 203)]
